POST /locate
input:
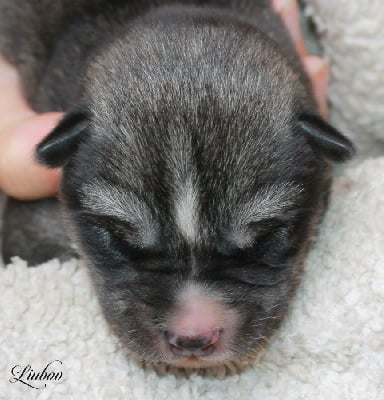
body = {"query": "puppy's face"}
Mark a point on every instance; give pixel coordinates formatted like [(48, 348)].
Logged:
[(192, 194)]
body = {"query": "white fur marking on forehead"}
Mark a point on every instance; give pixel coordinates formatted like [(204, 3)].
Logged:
[(186, 206), (271, 201), (108, 200)]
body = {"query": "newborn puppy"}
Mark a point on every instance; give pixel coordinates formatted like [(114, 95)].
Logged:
[(196, 166)]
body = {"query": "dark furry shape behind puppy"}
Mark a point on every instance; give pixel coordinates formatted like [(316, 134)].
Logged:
[(196, 166)]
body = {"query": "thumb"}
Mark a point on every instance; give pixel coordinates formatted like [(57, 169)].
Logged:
[(20, 174)]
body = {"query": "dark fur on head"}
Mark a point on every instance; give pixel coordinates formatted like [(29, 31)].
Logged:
[(193, 156)]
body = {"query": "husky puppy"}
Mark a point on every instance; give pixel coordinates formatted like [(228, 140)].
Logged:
[(196, 165)]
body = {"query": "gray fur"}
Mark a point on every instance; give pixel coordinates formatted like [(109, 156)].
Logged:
[(23, 221), (191, 166)]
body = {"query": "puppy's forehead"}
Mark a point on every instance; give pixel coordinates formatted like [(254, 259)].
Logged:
[(205, 146), (186, 211), (190, 221), (228, 218), (179, 78)]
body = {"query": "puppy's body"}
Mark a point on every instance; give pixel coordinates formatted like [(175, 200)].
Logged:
[(196, 169)]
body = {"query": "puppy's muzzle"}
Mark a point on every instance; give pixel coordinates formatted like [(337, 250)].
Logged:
[(201, 344)]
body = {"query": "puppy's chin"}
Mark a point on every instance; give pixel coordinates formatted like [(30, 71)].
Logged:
[(230, 362), (227, 360), (196, 362)]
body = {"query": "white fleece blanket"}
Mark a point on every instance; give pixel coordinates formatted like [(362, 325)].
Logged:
[(330, 347)]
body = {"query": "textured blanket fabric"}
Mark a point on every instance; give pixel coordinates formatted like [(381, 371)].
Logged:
[(331, 346)]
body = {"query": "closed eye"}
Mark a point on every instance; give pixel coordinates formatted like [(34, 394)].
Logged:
[(114, 251), (117, 236), (258, 275), (266, 263), (272, 247)]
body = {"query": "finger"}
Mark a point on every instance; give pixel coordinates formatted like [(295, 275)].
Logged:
[(317, 68), (318, 71), (290, 15), (12, 103), (20, 174)]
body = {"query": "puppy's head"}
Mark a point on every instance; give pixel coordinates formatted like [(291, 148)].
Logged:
[(194, 179)]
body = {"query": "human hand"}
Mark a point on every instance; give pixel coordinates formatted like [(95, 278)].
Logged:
[(316, 67), (21, 129)]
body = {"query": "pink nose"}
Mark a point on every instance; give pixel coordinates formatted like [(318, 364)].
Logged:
[(199, 345)]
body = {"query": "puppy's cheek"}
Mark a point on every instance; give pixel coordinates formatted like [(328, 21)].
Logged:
[(132, 323), (127, 316)]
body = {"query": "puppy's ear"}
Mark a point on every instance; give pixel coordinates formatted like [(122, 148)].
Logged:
[(55, 150), (326, 138)]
